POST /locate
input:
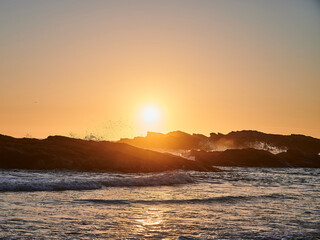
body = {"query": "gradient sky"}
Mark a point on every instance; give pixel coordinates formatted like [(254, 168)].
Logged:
[(86, 67)]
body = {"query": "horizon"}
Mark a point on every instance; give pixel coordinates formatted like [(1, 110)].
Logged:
[(90, 136), (120, 69)]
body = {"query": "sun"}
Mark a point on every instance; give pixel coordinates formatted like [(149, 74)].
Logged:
[(150, 114)]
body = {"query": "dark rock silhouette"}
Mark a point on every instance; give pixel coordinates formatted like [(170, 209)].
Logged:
[(241, 149), (170, 141), (248, 138), (298, 158), (258, 158), (233, 140), (57, 152)]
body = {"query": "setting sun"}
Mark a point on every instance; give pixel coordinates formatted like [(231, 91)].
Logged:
[(150, 115), (162, 119)]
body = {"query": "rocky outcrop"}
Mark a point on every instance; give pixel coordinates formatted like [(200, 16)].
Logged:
[(234, 140), (257, 158), (255, 139), (59, 152), (170, 141)]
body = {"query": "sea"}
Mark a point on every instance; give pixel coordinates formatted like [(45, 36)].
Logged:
[(237, 203)]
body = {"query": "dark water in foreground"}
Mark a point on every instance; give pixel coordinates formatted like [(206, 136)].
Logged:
[(241, 203)]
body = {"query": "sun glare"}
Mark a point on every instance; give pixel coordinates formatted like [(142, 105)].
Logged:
[(150, 115)]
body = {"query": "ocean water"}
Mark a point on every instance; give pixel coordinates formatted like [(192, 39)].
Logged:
[(239, 203)]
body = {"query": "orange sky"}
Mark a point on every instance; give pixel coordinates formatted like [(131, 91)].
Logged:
[(86, 67)]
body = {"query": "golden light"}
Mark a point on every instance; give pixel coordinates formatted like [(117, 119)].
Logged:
[(150, 115)]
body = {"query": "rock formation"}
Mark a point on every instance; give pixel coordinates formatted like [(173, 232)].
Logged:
[(58, 152)]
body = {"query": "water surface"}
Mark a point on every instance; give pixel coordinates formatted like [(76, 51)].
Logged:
[(240, 203)]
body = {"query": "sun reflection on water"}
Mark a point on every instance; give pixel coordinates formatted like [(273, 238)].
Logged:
[(153, 216), (149, 221)]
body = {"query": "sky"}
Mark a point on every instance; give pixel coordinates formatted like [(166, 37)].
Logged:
[(80, 68)]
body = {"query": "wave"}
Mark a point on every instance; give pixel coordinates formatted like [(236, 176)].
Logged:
[(35, 183), (222, 199)]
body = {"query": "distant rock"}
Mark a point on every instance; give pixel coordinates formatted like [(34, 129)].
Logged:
[(170, 141), (257, 158), (57, 152), (255, 139), (298, 158), (234, 140)]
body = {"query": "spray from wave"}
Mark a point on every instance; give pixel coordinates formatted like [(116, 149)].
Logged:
[(222, 145), (268, 147)]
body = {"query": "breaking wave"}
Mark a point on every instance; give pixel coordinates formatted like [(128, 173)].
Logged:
[(52, 182)]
